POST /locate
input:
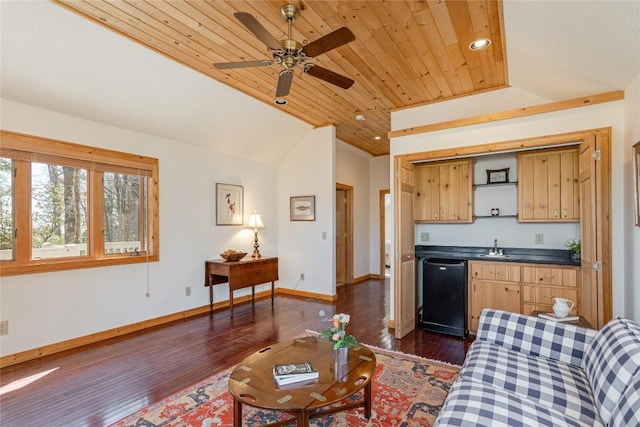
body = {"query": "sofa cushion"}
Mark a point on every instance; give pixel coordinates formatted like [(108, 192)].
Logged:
[(611, 361), (544, 382), (472, 403), (535, 336)]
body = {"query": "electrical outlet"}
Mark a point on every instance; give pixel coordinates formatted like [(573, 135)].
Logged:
[(4, 327), (539, 238), (187, 291), (425, 237), (301, 276), (324, 235)]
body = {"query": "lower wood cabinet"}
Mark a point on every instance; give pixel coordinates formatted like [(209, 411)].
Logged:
[(520, 288)]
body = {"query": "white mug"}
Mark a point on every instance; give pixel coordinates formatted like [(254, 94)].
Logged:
[(562, 307)]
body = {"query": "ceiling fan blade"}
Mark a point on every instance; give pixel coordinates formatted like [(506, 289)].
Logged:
[(329, 76), (242, 64), (258, 30), (284, 83), (327, 42)]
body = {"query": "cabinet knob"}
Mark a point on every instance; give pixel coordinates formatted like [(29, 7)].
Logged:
[(565, 213), (555, 213)]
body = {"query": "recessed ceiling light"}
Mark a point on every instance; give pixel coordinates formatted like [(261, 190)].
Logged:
[(479, 44), (280, 101), (377, 138), (360, 117)]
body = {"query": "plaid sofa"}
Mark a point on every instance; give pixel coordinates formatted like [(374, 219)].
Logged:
[(526, 371)]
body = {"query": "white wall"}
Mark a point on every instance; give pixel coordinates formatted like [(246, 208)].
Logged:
[(378, 180), (308, 246), (352, 168), (594, 116), (631, 232), (51, 307)]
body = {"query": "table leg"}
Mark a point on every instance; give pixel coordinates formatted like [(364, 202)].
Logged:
[(272, 294), (230, 301), (303, 419), (253, 295), (237, 413), (210, 299), (367, 400)]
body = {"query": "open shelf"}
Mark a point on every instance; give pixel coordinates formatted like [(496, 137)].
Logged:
[(496, 216), (498, 184)]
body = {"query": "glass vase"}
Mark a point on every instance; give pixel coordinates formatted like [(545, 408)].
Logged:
[(341, 355)]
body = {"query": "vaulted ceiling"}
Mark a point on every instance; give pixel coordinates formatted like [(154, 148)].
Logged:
[(405, 52)]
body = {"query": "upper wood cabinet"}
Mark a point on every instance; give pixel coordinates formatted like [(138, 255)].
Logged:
[(443, 192), (548, 189)]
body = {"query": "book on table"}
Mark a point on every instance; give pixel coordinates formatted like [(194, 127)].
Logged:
[(289, 373), (552, 316)]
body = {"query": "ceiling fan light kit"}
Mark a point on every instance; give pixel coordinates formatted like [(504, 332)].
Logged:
[(291, 54)]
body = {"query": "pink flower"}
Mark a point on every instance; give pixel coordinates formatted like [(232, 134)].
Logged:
[(335, 337)]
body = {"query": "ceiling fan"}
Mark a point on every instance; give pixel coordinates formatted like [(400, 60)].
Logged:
[(290, 54)]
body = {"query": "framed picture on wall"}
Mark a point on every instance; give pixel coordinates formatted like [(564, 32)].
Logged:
[(229, 204), (636, 179), (497, 176), (302, 208)]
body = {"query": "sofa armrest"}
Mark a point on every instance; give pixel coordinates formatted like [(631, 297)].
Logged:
[(535, 336)]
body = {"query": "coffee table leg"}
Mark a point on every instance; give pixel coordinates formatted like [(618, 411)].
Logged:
[(237, 413), (367, 400), (303, 419)]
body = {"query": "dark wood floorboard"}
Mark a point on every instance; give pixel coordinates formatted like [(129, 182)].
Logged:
[(101, 383)]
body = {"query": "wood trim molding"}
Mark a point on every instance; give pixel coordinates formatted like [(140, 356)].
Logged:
[(511, 114), (47, 350)]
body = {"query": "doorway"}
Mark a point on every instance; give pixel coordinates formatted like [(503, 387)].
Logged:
[(344, 233), (385, 234)]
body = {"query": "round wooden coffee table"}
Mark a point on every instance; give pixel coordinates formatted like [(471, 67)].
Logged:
[(251, 382)]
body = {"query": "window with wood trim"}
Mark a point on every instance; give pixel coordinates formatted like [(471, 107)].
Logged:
[(67, 206)]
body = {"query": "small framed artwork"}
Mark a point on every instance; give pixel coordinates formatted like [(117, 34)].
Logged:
[(497, 176), (229, 204), (636, 179), (302, 208)]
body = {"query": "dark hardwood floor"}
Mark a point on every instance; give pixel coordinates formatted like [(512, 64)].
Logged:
[(101, 383)]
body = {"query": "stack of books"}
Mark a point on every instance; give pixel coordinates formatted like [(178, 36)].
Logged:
[(290, 373), (552, 316)]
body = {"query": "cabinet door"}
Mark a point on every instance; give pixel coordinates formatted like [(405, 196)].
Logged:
[(548, 186), (455, 192), (485, 294), (427, 200), (495, 271)]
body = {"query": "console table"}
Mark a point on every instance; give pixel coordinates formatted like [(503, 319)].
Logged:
[(240, 274)]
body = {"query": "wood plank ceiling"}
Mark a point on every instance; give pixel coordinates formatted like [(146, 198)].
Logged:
[(405, 53)]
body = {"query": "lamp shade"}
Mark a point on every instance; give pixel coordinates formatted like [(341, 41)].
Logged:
[(255, 221)]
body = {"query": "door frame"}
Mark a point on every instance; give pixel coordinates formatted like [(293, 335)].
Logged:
[(348, 262), (383, 219), (605, 309)]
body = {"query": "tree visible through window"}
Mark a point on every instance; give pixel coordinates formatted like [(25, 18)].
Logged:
[(65, 206)]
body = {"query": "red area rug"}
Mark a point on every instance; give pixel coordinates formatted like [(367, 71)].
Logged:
[(407, 391)]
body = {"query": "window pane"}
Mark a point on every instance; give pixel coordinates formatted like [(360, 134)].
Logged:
[(124, 213), (59, 211), (6, 209)]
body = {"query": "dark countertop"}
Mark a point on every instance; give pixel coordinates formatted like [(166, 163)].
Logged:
[(522, 255)]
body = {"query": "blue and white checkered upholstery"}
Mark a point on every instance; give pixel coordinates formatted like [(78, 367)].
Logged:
[(611, 362), (522, 370), (535, 336), (627, 412), (545, 382), (472, 403)]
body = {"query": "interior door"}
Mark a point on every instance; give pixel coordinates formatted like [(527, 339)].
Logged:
[(595, 295), (404, 253)]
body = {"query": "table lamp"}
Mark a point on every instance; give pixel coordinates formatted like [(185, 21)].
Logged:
[(255, 222)]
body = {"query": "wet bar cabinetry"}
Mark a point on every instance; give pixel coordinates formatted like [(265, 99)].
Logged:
[(548, 189), (521, 288), (443, 192)]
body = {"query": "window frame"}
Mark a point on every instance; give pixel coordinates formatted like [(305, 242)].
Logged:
[(24, 149)]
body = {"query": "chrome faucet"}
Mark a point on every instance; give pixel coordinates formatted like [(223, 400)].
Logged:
[(495, 245)]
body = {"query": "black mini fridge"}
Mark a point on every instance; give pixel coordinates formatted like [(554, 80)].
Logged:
[(444, 296)]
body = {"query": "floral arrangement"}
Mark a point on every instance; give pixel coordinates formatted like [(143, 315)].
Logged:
[(573, 245), (336, 334)]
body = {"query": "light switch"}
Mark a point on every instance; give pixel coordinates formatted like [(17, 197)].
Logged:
[(425, 237), (324, 235), (539, 238)]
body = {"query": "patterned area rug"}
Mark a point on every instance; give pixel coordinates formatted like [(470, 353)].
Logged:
[(407, 391)]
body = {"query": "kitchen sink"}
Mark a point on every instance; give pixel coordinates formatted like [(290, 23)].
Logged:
[(499, 256)]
